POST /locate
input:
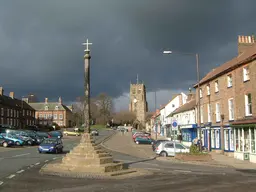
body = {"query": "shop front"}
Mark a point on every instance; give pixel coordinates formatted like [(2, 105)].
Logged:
[(189, 133), (244, 142)]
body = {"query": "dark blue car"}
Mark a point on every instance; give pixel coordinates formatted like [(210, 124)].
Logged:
[(51, 145)]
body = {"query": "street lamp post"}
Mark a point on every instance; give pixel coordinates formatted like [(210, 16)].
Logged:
[(155, 117), (198, 92)]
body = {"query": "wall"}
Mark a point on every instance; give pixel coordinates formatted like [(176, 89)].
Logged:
[(186, 117)]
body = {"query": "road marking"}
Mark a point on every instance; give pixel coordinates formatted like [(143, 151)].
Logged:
[(46, 161), (11, 176), (21, 155), (37, 163), (31, 165), (156, 169), (182, 171), (1, 182), (54, 158), (20, 171)]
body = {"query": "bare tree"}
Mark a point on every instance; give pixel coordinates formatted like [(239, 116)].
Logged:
[(79, 110), (105, 106), (123, 117)]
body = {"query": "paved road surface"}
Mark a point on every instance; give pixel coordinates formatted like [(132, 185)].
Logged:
[(15, 160), (167, 176)]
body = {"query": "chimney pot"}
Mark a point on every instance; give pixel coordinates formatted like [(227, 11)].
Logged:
[(46, 100), (11, 94), (244, 42), (1, 91)]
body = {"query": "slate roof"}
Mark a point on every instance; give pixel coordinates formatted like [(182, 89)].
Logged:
[(14, 103), (51, 106), (186, 107), (241, 59)]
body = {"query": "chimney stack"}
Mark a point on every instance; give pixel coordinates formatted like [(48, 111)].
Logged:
[(245, 42), (60, 100), (1, 91), (11, 94), (46, 100)]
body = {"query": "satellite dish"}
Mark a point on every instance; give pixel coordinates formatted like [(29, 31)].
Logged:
[(135, 100)]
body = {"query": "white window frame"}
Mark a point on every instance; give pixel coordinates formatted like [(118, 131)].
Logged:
[(56, 107), (231, 112), (229, 81), (55, 116), (60, 116), (201, 114), (209, 112), (200, 93), (246, 71), (217, 111), (208, 90), (248, 105), (46, 108), (216, 84)]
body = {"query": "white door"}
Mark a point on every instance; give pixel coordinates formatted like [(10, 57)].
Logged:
[(169, 148)]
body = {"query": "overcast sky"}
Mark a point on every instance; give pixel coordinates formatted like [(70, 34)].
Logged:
[(41, 44)]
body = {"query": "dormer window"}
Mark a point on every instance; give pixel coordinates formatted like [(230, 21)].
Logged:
[(56, 107), (208, 89), (246, 76), (46, 108)]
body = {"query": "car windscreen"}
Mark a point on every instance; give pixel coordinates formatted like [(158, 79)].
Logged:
[(49, 141)]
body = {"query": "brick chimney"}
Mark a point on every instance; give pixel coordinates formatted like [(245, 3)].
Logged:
[(11, 94), (46, 100), (1, 91), (244, 42)]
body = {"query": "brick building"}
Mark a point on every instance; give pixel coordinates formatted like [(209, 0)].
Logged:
[(228, 100), (48, 113), (15, 112)]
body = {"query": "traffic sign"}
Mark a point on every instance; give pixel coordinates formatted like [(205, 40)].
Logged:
[(174, 124)]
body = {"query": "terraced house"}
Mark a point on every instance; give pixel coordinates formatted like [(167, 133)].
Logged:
[(228, 102), (48, 113), (15, 112)]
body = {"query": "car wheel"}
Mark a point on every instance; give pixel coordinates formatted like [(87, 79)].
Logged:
[(39, 152), (5, 144), (17, 143), (163, 154), (137, 142)]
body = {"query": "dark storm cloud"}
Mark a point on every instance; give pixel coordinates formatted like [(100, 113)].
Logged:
[(41, 51)]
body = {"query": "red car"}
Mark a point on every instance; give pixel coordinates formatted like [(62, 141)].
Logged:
[(141, 134)]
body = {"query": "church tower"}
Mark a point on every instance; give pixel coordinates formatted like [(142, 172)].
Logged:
[(138, 101)]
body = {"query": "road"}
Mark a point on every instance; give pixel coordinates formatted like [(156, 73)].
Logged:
[(166, 176), (14, 161)]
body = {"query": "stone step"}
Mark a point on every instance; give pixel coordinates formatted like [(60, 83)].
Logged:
[(87, 161), (112, 167), (122, 172), (91, 148), (96, 155), (82, 152)]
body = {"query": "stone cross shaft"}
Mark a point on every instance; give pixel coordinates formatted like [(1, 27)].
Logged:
[(87, 58)]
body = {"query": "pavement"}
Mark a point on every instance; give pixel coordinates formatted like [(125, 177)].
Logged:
[(166, 175)]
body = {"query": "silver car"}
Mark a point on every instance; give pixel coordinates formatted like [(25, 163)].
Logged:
[(170, 148)]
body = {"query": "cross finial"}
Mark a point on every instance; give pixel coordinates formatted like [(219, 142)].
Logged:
[(87, 45)]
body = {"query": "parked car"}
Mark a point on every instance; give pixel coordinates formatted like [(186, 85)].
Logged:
[(14, 138), (5, 142), (42, 135), (72, 133), (94, 133), (57, 134), (170, 148), (156, 143), (51, 145), (143, 140), (139, 134), (23, 135)]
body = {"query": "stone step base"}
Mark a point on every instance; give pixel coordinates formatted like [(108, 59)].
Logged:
[(83, 155), (86, 151), (105, 168), (77, 160)]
